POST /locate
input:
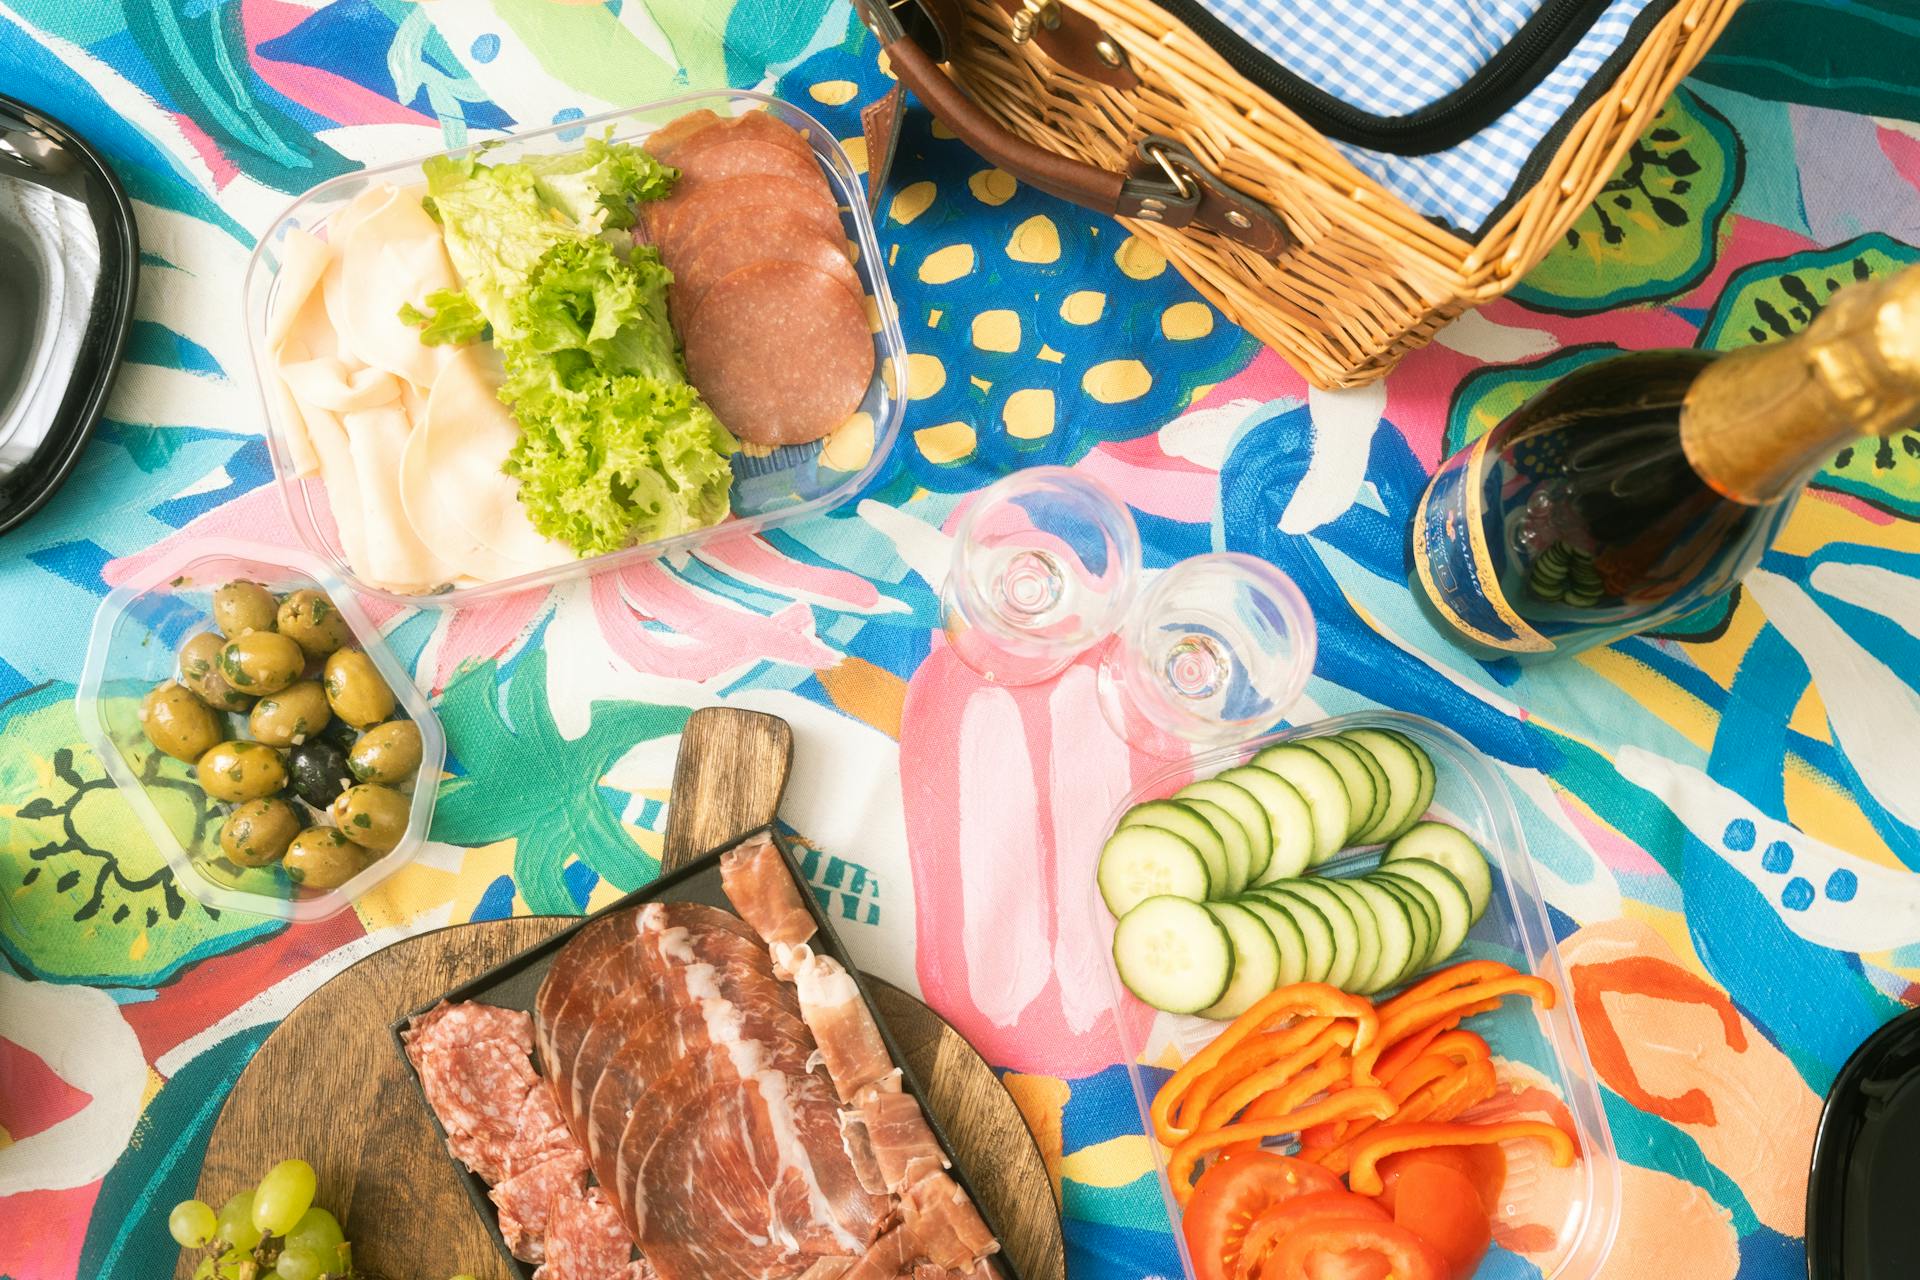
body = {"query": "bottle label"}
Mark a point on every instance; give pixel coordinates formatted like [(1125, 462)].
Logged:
[(1454, 564)]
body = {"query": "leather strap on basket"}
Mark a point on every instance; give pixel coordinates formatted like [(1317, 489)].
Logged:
[(1166, 184)]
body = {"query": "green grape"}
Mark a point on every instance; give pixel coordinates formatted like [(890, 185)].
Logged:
[(236, 1222), (191, 1224), (228, 1269), (204, 1271), (299, 1264), (282, 1196), (319, 1234)]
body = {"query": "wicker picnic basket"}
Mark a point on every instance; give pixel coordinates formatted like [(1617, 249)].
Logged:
[(1120, 106)]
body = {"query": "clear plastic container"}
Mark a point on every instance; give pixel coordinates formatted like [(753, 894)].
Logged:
[(1579, 1208), (137, 633), (769, 488)]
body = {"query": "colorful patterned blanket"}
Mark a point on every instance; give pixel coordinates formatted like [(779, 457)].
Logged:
[(1721, 814)]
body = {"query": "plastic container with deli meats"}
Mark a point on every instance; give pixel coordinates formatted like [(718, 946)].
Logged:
[(771, 485), (1556, 1223)]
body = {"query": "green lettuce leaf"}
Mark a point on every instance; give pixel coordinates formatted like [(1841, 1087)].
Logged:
[(610, 314), (452, 318), (496, 228), (597, 186)]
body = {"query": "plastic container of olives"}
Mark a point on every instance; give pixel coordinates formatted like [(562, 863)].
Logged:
[(135, 646)]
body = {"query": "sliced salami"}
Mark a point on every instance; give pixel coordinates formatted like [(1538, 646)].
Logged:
[(781, 351), (771, 235), (526, 1201), (685, 212), (756, 126), (740, 157), (587, 1241), (669, 137)]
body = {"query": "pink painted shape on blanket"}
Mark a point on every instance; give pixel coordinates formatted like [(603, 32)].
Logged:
[(51, 1250), (1149, 480), (333, 96), (224, 170), (1266, 377), (1003, 827), (484, 631), (754, 561), (706, 638)]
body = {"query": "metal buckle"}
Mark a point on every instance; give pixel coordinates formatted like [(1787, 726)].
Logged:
[(1035, 13), (1182, 183)]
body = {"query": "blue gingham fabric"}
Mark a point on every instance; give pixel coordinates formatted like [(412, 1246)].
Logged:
[(1393, 57)]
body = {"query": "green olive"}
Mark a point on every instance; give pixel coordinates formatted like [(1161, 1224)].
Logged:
[(389, 753), (200, 672), (355, 690), (322, 858), (242, 606), (180, 724), (291, 716), (241, 771), (259, 831), (261, 662), (371, 815), (311, 619)]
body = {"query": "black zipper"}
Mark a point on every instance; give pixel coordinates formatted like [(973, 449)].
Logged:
[(1508, 76)]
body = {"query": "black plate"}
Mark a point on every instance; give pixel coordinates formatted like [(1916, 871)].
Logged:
[(514, 984), (40, 155), (1863, 1219)]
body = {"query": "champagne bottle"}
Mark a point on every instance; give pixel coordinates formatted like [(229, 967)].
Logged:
[(1633, 491)]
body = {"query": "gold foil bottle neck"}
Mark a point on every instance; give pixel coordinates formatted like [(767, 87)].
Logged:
[(1759, 419)]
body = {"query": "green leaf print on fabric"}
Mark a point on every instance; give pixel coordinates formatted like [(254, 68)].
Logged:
[(765, 33), (1846, 55), (89, 898), (1768, 301), (587, 48), (1653, 231), (525, 782)]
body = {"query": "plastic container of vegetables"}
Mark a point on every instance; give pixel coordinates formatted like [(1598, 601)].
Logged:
[(137, 634), (1560, 1222), (769, 488)]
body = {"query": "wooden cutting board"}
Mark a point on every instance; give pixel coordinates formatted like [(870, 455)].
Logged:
[(329, 1086)]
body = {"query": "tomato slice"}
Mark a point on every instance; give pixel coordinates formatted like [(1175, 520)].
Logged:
[(1234, 1192), (1289, 1215), (1441, 1206), (1353, 1250), (1485, 1166)]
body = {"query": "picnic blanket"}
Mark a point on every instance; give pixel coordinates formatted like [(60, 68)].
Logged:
[(1725, 817)]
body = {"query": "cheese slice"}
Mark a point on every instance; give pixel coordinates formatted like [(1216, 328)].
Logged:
[(469, 435), (303, 259), (435, 525), (332, 384), (394, 256), (396, 558), (342, 487)]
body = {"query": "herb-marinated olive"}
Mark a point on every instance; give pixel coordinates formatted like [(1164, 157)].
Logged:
[(339, 733), (200, 672), (291, 716), (371, 815), (354, 688), (259, 831), (180, 724), (261, 662), (241, 771), (242, 606), (310, 618), (388, 753), (319, 771), (322, 858)]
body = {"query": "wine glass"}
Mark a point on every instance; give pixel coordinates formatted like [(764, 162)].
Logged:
[(1044, 564), (1215, 651)]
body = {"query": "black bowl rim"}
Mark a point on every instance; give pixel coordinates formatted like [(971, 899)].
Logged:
[(1841, 1123)]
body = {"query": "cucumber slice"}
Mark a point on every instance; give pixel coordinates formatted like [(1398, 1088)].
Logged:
[(1256, 960), (1398, 940), (1288, 818), (1246, 810), (1316, 937), (1402, 767), (1233, 837), (1424, 918), (1451, 848), (1189, 826), (1147, 862), (1319, 785), (1449, 896), (1357, 776), (1173, 954), (1333, 909), (1427, 778)]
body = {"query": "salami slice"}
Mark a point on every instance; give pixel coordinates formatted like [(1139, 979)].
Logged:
[(526, 1201), (757, 126), (669, 137), (739, 157), (587, 1241), (685, 211), (781, 351), (772, 235)]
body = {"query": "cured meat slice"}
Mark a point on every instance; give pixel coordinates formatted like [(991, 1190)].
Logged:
[(757, 880), (738, 157), (850, 1044), (943, 1221), (684, 212), (829, 1268), (539, 1131), (859, 1147), (758, 126), (774, 235), (471, 1060), (899, 1135), (775, 1189), (587, 1241), (596, 940), (526, 1201), (781, 351), (889, 1255), (665, 140)]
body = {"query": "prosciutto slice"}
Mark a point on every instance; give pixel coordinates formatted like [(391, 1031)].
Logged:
[(946, 1227), (759, 885), (900, 1137), (849, 1039)]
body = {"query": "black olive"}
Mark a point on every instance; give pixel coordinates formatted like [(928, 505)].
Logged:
[(340, 734), (319, 772)]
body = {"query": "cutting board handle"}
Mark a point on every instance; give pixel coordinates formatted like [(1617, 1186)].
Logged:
[(730, 775)]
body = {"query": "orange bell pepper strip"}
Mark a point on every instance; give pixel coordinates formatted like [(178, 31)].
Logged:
[(1339, 1106), (1275, 1076), (1252, 1055), (1330, 1073), (1296, 1000), (1409, 1018), (1364, 1177), (1438, 1099), (1447, 1051), (1451, 978)]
